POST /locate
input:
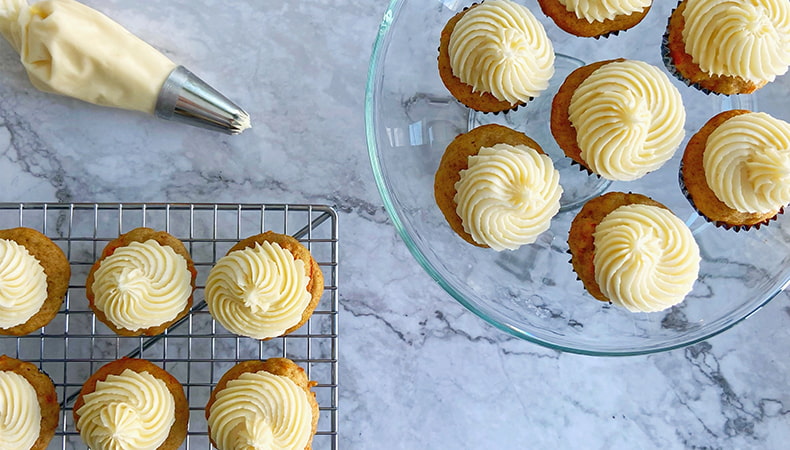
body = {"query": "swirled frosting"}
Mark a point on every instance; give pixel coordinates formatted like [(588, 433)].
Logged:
[(628, 118), (646, 259), (20, 413), (500, 47), (747, 163), (23, 284), (507, 196), (259, 291), (130, 411), (600, 10), (261, 411), (142, 285), (749, 39)]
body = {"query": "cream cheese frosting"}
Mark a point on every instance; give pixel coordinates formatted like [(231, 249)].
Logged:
[(20, 413), (259, 291), (629, 119), (600, 10), (261, 411), (749, 39), (747, 163), (142, 285), (507, 196), (501, 48), (70, 49), (130, 411), (23, 284), (646, 259)]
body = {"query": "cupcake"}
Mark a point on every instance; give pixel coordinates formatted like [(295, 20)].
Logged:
[(131, 404), (29, 408), (142, 283), (728, 47), (267, 285), (495, 56), (497, 188), (619, 119), (595, 18), (632, 251), (263, 404), (735, 170), (34, 274)]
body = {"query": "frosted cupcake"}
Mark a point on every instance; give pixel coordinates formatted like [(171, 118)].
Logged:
[(495, 56), (497, 188), (632, 251), (736, 169), (29, 408), (142, 283), (263, 404), (619, 119), (267, 285), (728, 47), (131, 404), (34, 275), (595, 18)]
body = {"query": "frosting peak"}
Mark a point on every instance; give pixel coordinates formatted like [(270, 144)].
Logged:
[(748, 39), (646, 259), (142, 285), (507, 196), (130, 411), (261, 411), (258, 291), (499, 47), (600, 10), (747, 163), (629, 119), (20, 413), (23, 284)]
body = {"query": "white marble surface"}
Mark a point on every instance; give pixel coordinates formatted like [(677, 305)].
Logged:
[(416, 369)]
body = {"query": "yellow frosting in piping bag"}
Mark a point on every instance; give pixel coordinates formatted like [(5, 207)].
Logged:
[(70, 49)]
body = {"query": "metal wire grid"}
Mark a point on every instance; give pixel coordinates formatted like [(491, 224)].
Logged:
[(196, 350)]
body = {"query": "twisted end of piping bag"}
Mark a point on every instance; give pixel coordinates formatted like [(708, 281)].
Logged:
[(187, 99)]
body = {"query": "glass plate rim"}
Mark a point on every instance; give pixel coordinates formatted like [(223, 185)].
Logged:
[(377, 53)]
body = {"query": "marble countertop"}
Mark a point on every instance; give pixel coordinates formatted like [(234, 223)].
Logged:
[(416, 369)]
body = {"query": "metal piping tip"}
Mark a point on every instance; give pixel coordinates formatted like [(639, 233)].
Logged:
[(186, 98)]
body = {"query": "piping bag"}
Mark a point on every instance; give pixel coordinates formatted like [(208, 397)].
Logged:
[(71, 49)]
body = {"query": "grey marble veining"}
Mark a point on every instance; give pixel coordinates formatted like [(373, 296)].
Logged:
[(416, 369)]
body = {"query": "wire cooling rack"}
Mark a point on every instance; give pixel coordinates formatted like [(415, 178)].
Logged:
[(196, 350)]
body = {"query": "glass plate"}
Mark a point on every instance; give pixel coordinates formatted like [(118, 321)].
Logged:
[(533, 293)]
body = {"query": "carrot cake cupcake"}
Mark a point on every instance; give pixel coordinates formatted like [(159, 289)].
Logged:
[(619, 119), (728, 47), (34, 274), (497, 188), (495, 56), (132, 404), (142, 284), (29, 408), (736, 169), (267, 285), (595, 18), (632, 251), (263, 404)]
